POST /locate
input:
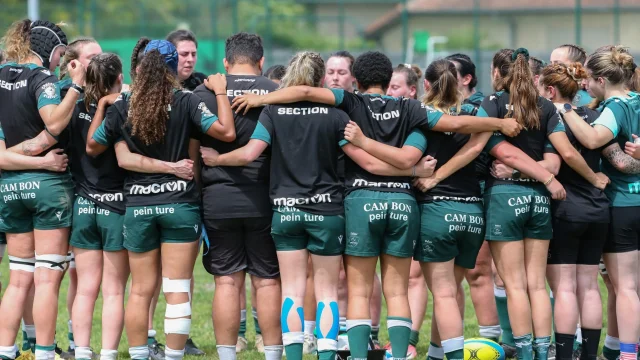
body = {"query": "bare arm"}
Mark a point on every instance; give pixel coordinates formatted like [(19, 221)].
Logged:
[(56, 117), (472, 124), (621, 161), (35, 146), (55, 160), (142, 164), (284, 96), (238, 157), (376, 166), (224, 129), (551, 162), (194, 155), (464, 156), (571, 156), (590, 137)]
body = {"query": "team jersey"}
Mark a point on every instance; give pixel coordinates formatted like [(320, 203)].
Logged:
[(243, 191), (584, 202), (582, 98), (192, 82), (305, 141), (65, 85), (387, 120), (532, 142), (620, 115), (97, 178), (463, 184), (475, 100), (187, 115), (24, 89)]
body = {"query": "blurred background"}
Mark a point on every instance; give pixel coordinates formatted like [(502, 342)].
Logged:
[(408, 31)]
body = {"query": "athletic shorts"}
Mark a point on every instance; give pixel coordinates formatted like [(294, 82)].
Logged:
[(624, 230), (147, 227), (516, 212), (450, 230), (578, 243), (293, 229), (243, 244), (35, 201), (380, 222), (95, 228), (3, 238)]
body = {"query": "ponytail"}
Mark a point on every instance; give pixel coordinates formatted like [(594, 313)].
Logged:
[(305, 68), (17, 41), (634, 82), (523, 95), (136, 56), (443, 94), (102, 73)]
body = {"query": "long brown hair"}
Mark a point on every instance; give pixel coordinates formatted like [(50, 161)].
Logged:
[(102, 74), (565, 78), (151, 97), (73, 52), (518, 82), (17, 41), (443, 94), (137, 55)]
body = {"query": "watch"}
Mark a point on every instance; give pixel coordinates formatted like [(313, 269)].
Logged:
[(78, 88), (566, 109), (516, 174)]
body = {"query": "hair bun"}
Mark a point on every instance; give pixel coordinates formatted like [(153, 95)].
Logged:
[(519, 51)]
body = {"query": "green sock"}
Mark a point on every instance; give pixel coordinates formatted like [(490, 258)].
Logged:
[(375, 331), (524, 348), (610, 354), (414, 338), (541, 347), (455, 355), (25, 342), (327, 355), (294, 351), (242, 332), (359, 335), (399, 333), (454, 348), (503, 316), (255, 322)]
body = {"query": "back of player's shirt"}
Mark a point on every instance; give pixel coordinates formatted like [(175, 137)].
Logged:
[(240, 191), (305, 142)]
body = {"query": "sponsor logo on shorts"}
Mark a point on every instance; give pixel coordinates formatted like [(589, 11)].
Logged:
[(59, 215), (171, 186), (340, 238), (195, 227), (395, 185), (353, 239), (427, 246), (455, 198), (316, 199), (1, 220), (124, 231), (497, 230), (634, 188)]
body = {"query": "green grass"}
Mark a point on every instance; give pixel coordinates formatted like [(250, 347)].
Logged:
[(202, 328)]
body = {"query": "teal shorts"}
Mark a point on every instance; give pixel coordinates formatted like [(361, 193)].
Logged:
[(95, 228), (293, 229), (147, 227), (380, 222), (516, 212), (35, 200), (450, 230)]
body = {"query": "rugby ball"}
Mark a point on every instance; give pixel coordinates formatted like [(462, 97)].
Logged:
[(482, 349)]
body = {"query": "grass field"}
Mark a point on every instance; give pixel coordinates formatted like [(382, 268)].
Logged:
[(202, 328)]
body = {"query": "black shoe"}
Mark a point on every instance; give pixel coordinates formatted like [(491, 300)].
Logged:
[(65, 355), (156, 351), (509, 351), (190, 348)]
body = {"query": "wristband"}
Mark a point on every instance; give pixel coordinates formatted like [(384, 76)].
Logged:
[(79, 89), (546, 183)]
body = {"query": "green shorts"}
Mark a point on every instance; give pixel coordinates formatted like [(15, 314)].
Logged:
[(95, 228), (293, 229), (516, 212), (3, 238), (380, 222), (146, 227), (34, 200), (450, 230)]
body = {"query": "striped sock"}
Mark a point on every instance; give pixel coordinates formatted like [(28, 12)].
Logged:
[(242, 331), (454, 348), (435, 352), (45, 352), (399, 333), (628, 351)]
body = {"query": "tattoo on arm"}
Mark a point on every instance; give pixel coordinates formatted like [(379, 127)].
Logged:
[(28, 147), (621, 161)]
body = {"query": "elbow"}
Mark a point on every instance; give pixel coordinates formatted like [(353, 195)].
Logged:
[(55, 129), (591, 144), (90, 150), (620, 166), (122, 163), (407, 163), (554, 169), (247, 158), (229, 136)]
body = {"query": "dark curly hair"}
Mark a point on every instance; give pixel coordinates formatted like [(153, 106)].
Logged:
[(136, 56), (151, 97), (373, 68), (102, 73), (244, 48), (276, 72), (465, 66)]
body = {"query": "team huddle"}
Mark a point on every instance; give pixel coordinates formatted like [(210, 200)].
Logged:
[(308, 178)]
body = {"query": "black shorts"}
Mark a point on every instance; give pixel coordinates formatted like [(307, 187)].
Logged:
[(579, 243), (243, 244), (624, 230)]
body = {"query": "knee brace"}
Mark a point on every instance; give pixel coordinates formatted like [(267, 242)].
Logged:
[(52, 262), (174, 322), (71, 260), (16, 263)]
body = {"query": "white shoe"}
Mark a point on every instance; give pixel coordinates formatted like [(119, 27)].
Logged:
[(309, 347), (241, 345), (259, 343), (343, 342)]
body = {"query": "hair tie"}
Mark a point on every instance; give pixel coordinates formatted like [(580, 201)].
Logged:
[(519, 51), (572, 73)]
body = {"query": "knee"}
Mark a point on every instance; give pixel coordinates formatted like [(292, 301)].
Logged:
[(90, 288), (262, 283), (566, 287), (539, 284), (178, 312), (416, 282), (233, 280), (479, 276)]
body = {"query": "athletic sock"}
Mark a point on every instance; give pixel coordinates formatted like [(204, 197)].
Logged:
[(524, 348), (414, 338), (454, 348), (564, 346), (28, 337), (343, 325), (611, 349), (242, 332), (255, 321), (435, 352), (399, 331), (503, 316), (272, 352), (491, 332), (328, 340), (309, 327), (628, 351), (83, 353), (590, 342), (375, 331), (173, 354), (227, 352), (45, 352), (139, 352), (72, 344), (151, 337), (108, 354), (293, 342), (541, 347), (359, 332), (7, 352)]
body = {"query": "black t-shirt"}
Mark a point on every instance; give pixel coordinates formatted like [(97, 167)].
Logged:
[(187, 116), (385, 119), (192, 82), (532, 142), (240, 191), (98, 178), (24, 89), (463, 184), (584, 202), (305, 140)]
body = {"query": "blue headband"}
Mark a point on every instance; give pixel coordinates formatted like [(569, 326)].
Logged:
[(166, 49)]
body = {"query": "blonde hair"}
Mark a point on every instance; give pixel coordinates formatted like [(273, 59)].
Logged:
[(443, 94), (615, 65), (73, 52), (305, 68), (17, 41)]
